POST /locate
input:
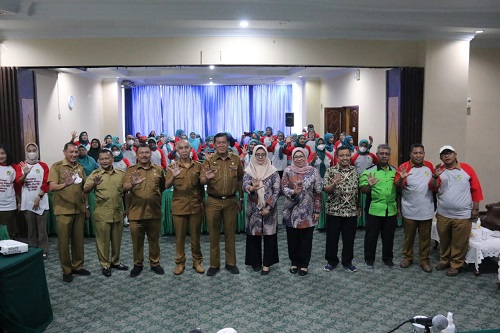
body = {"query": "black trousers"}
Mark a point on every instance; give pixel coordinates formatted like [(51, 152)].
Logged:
[(386, 227), (336, 225), (253, 256), (299, 245)]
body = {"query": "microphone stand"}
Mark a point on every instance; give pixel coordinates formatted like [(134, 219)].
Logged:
[(427, 329)]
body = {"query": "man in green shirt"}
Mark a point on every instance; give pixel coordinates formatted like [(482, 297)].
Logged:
[(381, 207), (108, 214)]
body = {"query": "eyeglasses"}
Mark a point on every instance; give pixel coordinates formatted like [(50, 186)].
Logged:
[(260, 155), (384, 154), (297, 157)]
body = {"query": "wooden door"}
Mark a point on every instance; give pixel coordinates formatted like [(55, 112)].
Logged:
[(342, 119)]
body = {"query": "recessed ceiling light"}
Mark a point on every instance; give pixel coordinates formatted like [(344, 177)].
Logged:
[(212, 67), (211, 82), (479, 31), (210, 78), (244, 24), (300, 75)]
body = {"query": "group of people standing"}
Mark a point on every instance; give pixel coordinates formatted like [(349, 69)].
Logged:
[(408, 191)]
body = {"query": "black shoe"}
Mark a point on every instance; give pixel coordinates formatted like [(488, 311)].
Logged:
[(232, 269), (82, 271), (212, 271), (263, 272), (68, 277), (158, 270), (120, 267), (302, 272), (256, 268), (294, 270), (136, 271), (389, 264), (106, 272)]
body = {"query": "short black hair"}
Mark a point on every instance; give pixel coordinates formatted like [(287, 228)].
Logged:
[(220, 135), (144, 145), (341, 148), (67, 144), (106, 151), (8, 152), (416, 145)]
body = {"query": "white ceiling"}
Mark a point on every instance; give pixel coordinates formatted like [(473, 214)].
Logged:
[(338, 19)]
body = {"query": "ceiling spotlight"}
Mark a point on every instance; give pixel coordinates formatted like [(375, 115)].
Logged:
[(479, 31), (211, 67), (210, 78), (300, 75), (244, 24)]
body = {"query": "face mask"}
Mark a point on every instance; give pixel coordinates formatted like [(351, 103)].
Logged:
[(362, 149), (130, 142), (32, 156), (116, 153), (321, 147)]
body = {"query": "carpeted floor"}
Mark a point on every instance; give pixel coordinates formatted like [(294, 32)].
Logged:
[(338, 301)]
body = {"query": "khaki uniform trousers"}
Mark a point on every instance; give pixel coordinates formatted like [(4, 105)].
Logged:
[(424, 239), (139, 229), (108, 234), (70, 229), (453, 240), (217, 210), (181, 225), (37, 230)]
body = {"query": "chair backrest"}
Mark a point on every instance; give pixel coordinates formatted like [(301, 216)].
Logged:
[(492, 218)]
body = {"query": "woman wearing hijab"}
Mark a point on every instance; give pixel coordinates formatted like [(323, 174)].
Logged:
[(362, 160), (34, 198), (302, 187), (9, 179), (87, 162), (300, 142), (247, 152), (83, 139), (322, 160), (262, 184), (194, 142), (95, 148), (279, 159), (108, 141), (349, 143), (329, 142), (119, 162)]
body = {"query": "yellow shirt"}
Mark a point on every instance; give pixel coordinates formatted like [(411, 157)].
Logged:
[(71, 199), (108, 195)]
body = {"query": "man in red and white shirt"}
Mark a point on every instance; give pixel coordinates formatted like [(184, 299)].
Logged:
[(417, 206), (459, 193)]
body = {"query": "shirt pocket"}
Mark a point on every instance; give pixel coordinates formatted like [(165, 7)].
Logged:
[(233, 171)]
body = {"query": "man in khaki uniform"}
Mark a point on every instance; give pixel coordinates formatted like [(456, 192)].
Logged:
[(107, 183), (66, 180), (223, 174), (184, 175), (146, 182)]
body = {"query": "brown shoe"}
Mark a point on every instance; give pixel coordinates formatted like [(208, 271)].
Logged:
[(405, 263), (199, 268), (452, 272), (442, 267), (426, 268), (179, 269)]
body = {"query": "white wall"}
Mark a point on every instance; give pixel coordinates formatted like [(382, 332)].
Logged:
[(311, 105), (369, 93), (55, 119), (483, 124), (112, 110)]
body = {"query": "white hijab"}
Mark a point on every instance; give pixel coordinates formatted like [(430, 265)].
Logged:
[(260, 172)]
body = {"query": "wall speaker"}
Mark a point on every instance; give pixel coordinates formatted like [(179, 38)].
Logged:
[(289, 119)]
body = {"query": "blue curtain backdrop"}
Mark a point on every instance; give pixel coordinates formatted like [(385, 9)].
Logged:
[(208, 110)]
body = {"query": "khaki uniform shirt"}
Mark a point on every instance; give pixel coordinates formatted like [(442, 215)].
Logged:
[(145, 198), (229, 176), (71, 199), (108, 195), (188, 191)]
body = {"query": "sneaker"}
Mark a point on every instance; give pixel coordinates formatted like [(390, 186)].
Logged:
[(368, 265), (329, 267), (351, 268), (389, 264)]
